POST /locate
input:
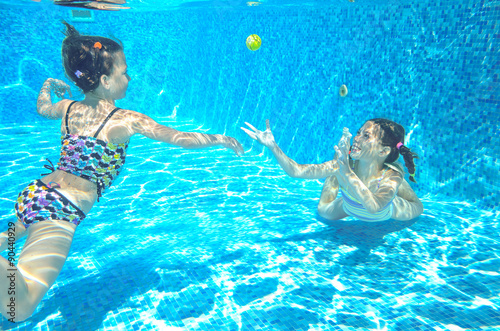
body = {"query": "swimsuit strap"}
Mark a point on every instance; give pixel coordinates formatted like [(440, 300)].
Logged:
[(105, 121), (385, 170), (67, 114)]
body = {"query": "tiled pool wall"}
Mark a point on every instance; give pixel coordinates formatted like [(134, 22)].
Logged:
[(431, 66)]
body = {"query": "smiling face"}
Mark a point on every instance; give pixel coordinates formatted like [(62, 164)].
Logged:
[(119, 78), (367, 144)]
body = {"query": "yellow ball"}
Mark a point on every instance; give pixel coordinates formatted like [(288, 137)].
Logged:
[(253, 42)]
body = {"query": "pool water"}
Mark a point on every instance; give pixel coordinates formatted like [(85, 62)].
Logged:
[(205, 240)]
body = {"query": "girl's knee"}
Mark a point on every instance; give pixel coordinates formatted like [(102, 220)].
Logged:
[(331, 214), (321, 211)]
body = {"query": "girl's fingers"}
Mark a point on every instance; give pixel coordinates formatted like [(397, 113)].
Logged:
[(250, 133), (340, 156), (268, 126), (240, 150), (237, 146), (251, 126)]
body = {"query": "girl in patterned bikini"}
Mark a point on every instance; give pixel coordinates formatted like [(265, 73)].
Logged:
[(372, 183), (94, 144)]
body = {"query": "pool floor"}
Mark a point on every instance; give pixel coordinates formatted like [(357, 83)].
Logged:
[(205, 240)]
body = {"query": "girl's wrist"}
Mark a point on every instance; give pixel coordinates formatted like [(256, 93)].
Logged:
[(221, 139), (334, 166), (273, 146), (347, 173), (47, 85)]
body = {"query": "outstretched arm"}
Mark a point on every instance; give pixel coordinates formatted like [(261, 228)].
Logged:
[(146, 126), (44, 105), (292, 168)]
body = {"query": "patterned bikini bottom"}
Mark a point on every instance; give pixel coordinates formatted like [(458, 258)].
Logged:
[(38, 202)]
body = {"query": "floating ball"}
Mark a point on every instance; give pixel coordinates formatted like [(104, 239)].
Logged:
[(253, 42), (343, 91)]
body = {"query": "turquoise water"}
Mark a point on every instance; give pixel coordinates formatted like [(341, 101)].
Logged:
[(206, 240)]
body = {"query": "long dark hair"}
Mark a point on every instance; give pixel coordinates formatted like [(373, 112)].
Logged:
[(87, 58), (391, 134)]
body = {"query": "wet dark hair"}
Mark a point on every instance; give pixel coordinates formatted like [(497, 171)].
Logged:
[(87, 58), (392, 133)]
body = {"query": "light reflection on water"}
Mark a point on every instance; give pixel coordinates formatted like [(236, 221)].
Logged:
[(192, 238)]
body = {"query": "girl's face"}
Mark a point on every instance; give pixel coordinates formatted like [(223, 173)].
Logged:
[(119, 77), (366, 144)]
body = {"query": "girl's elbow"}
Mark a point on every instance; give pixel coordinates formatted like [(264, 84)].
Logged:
[(291, 172), (297, 172), (41, 111)]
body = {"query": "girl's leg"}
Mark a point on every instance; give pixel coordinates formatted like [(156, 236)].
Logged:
[(332, 212), (329, 207), (406, 205), (40, 262), (18, 231), (405, 210)]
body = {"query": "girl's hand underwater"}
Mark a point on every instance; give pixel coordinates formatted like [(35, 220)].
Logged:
[(266, 138), (59, 87), (342, 152), (231, 143)]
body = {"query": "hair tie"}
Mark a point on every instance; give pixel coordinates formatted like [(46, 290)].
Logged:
[(78, 73), (98, 45), (399, 144)]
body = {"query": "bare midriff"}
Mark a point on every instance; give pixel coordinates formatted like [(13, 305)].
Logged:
[(80, 191)]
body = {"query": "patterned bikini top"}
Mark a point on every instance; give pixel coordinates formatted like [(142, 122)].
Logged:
[(93, 159)]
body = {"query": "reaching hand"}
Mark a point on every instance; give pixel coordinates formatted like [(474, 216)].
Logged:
[(231, 143), (59, 87), (266, 138), (342, 151)]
